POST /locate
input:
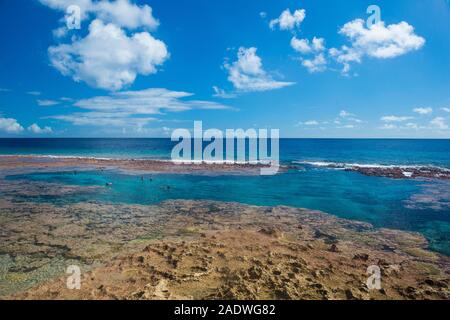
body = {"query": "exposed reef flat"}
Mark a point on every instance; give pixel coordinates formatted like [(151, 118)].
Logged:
[(389, 171), (404, 173), (208, 250), (146, 165)]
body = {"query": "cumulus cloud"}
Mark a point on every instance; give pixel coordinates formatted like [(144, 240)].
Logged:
[(47, 103), (382, 41), (107, 58), (423, 110), (316, 63), (247, 73), (395, 119), (439, 123), (38, 130), (304, 46), (288, 20), (378, 41), (111, 55), (10, 125), (301, 45), (122, 13), (445, 109)]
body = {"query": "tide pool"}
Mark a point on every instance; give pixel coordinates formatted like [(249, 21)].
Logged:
[(413, 205)]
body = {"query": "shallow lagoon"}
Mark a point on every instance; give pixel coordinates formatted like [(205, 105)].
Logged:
[(414, 205)]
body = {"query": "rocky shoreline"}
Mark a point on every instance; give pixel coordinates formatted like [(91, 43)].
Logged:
[(393, 172), (140, 165), (208, 250), (197, 249), (402, 173)]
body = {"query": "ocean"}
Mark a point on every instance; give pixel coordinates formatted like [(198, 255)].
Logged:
[(418, 205)]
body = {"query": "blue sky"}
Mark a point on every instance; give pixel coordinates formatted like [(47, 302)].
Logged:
[(311, 68)]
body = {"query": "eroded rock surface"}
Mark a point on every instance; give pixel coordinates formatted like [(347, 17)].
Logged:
[(208, 250)]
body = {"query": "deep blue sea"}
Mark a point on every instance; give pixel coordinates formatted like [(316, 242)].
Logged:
[(416, 205)]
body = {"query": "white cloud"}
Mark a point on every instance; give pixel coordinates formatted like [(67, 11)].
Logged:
[(378, 41), (318, 44), (318, 64), (47, 103), (4, 90), (423, 110), (439, 123), (107, 58), (10, 125), (407, 126), (132, 108), (395, 119), (38, 130), (345, 120), (304, 46), (247, 73), (411, 125), (445, 109), (348, 120), (388, 126), (149, 101), (288, 20), (220, 93), (345, 114), (309, 123), (60, 32), (263, 14), (122, 13), (301, 45)]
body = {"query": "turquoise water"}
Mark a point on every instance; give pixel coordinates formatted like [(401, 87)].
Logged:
[(422, 206), (380, 201)]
